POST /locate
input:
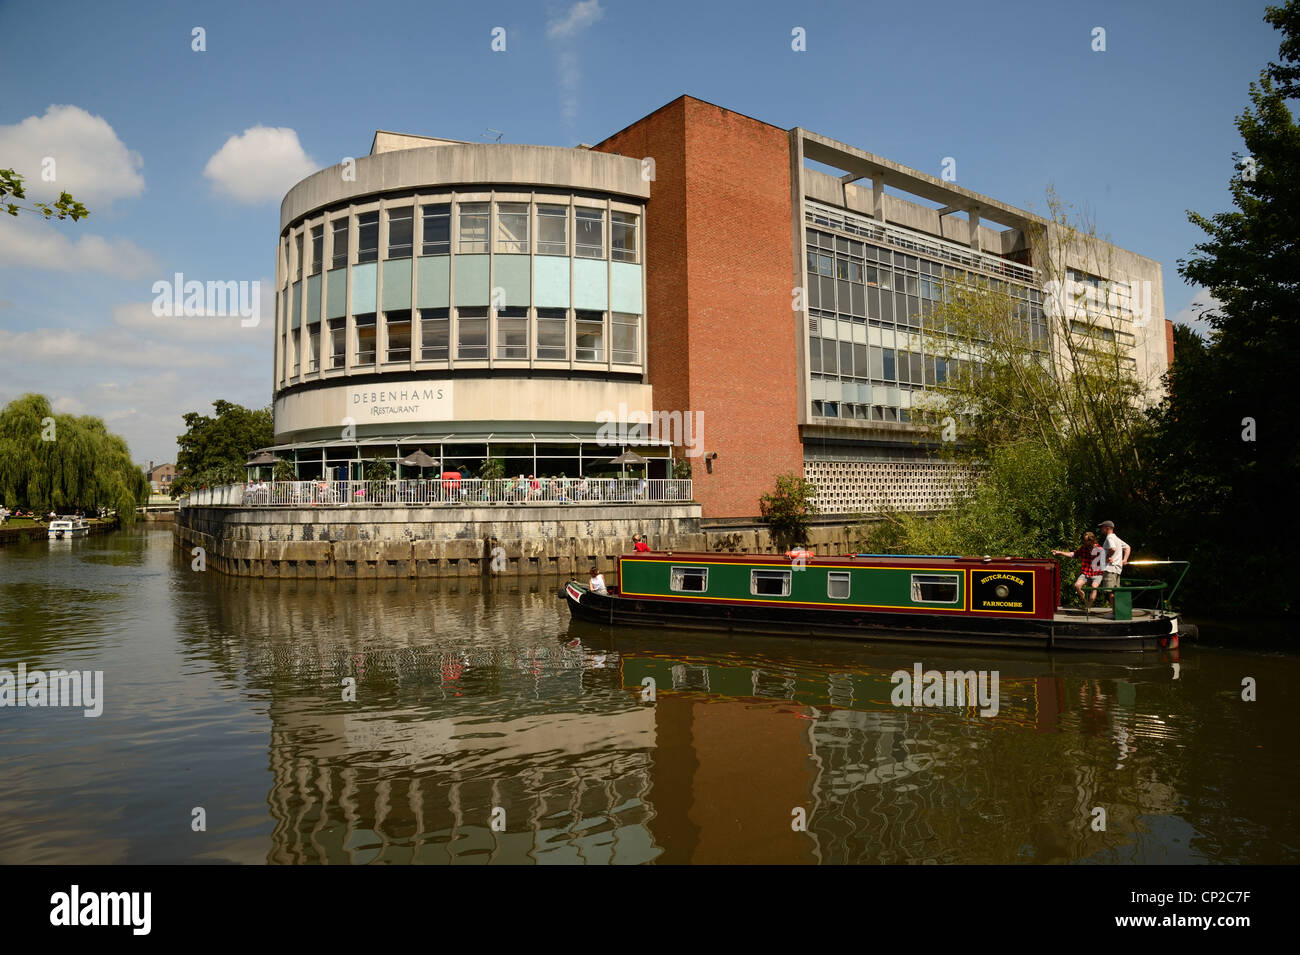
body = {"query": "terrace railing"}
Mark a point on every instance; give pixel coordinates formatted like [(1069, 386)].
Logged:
[(445, 491)]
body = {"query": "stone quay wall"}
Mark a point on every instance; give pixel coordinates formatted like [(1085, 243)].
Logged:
[(376, 542), (368, 542)]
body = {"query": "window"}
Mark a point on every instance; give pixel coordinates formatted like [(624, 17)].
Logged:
[(689, 579), (317, 249), (297, 247), (313, 347), (590, 228), (622, 236), (398, 327), (400, 224), (935, 588), (339, 258), (769, 583), (552, 230), (626, 334), (436, 229), (472, 333), (552, 334), (590, 336), (368, 237), (837, 584), (435, 333), (512, 227), (889, 364), (512, 333), (291, 347), (473, 227), (365, 338), (338, 342)]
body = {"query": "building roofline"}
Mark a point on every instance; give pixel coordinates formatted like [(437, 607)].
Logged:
[(673, 102)]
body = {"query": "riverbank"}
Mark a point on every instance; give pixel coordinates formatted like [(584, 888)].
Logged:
[(22, 531)]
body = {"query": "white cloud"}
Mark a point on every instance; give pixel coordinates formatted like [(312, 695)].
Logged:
[(259, 165), (1191, 314), (89, 160), (161, 367), (569, 74), (30, 242), (570, 77), (580, 16)]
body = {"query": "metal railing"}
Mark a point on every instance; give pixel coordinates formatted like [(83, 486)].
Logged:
[(445, 491)]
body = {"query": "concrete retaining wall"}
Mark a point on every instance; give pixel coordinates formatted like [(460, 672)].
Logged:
[(377, 542)]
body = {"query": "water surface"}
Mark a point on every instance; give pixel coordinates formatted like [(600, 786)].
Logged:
[(489, 728)]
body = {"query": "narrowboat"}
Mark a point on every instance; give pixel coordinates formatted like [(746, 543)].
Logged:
[(1003, 601)]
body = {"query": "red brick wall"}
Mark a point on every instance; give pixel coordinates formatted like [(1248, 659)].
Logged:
[(720, 267)]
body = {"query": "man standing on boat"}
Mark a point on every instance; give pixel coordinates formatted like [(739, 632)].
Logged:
[(1117, 553)]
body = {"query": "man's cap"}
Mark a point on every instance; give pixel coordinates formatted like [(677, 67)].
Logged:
[(1106, 524)]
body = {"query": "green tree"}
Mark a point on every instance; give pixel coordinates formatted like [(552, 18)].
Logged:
[(63, 463), (1226, 458), (492, 469), (11, 187), (788, 509), (212, 451)]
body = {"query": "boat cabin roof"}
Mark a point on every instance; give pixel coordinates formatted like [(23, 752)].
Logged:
[(840, 560)]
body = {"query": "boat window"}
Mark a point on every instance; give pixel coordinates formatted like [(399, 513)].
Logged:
[(837, 584), (689, 579), (935, 588), (769, 583)]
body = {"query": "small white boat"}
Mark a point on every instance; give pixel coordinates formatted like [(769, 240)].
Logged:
[(66, 527)]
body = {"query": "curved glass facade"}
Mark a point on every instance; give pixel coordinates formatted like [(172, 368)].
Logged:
[(476, 319)]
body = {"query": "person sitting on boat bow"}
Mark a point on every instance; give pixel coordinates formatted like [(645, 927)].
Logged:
[(597, 582)]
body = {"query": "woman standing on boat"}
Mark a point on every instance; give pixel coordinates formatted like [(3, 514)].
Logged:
[(1093, 560)]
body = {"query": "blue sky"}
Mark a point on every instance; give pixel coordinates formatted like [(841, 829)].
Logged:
[(133, 116)]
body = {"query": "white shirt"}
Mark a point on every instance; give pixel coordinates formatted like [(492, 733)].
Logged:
[(1114, 561), (597, 584)]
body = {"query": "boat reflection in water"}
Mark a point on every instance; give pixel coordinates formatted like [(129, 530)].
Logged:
[(509, 734)]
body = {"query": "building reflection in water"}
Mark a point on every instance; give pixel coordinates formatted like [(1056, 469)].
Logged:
[(472, 698)]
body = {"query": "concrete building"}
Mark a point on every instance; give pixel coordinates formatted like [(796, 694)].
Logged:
[(473, 300), (769, 286), (789, 277)]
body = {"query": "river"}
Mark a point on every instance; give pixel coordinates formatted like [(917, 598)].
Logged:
[(489, 728)]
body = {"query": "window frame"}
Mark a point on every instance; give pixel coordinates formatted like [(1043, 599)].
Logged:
[(702, 572), (917, 580), (837, 575), (785, 576)]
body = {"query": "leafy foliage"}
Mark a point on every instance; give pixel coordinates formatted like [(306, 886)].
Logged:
[(11, 187), (63, 463), (492, 469), (213, 450), (788, 508), (1225, 453)]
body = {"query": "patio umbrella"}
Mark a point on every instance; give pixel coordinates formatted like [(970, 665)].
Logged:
[(626, 458), (420, 460), (265, 459)]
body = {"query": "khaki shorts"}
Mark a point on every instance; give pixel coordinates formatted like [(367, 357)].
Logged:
[(1110, 579), (1085, 580)]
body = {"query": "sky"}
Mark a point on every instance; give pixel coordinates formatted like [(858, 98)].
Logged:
[(183, 154)]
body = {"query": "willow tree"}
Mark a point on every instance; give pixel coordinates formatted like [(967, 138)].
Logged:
[(60, 462)]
